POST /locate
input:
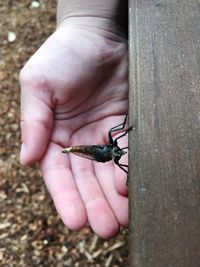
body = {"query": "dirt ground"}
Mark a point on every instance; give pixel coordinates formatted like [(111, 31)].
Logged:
[(31, 233)]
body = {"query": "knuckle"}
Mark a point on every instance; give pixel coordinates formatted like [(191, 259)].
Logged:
[(30, 78)]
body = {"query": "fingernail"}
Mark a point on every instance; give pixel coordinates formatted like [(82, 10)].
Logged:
[(22, 152)]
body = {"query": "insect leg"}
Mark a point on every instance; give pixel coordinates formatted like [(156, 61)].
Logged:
[(122, 167), (130, 128), (120, 126), (116, 128)]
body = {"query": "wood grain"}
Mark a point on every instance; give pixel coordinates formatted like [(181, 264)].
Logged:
[(164, 45)]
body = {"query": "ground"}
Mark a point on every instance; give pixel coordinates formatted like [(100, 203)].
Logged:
[(31, 233)]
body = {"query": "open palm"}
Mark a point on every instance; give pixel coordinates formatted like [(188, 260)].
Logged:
[(74, 89)]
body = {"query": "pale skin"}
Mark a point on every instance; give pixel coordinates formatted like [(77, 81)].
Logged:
[(73, 90)]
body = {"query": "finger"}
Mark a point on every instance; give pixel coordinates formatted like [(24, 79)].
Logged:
[(118, 203), (100, 216), (36, 121), (58, 178), (121, 179)]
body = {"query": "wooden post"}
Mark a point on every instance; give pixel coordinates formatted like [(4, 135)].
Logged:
[(164, 186)]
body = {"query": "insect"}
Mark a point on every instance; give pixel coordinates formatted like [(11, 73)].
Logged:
[(107, 152)]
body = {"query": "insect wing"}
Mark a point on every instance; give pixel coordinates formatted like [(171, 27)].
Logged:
[(87, 152), (84, 155)]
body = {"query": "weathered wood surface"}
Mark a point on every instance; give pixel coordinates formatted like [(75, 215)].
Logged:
[(165, 141)]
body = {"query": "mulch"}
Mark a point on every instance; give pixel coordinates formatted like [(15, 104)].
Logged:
[(31, 232)]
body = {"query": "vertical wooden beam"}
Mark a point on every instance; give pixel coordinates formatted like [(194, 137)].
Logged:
[(164, 145)]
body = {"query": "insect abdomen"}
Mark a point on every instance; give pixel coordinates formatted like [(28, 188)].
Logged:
[(100, 153)]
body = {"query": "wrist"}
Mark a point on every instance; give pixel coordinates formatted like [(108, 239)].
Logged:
[(106, 15)]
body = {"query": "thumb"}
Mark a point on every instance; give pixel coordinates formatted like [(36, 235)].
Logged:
[(36, 121)]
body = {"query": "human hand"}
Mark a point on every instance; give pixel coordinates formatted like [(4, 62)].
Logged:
[(73, 90)]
